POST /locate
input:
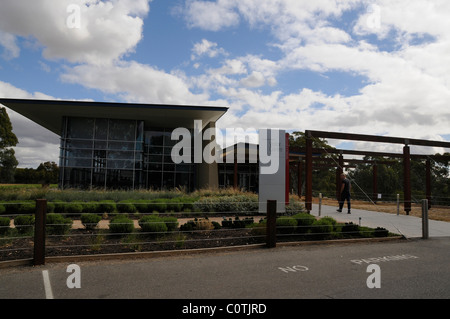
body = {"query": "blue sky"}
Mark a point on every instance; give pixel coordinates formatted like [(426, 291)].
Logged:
[(358, 66)]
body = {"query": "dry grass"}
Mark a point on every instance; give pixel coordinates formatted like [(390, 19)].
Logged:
[(435, 213)]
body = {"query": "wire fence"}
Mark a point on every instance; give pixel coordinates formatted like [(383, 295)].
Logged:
[(83, 233)]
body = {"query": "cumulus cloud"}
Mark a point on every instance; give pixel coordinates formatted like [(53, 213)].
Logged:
[(135, 82), (107, 29), (207, 48)]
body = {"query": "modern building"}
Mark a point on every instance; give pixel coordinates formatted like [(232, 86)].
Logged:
[(239, 167), (122, 145)]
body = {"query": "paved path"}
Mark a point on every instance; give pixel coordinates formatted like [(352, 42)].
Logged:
[(409, 226)]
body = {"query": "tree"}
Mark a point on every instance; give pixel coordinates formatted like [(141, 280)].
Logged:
[(8, 139), (324, 179), (48, 173)]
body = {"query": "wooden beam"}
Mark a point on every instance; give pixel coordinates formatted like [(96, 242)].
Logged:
[(377, 139)]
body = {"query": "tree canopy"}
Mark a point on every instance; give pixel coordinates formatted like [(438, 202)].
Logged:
[(8, 139)]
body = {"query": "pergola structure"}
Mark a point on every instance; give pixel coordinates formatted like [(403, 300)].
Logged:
[(406, 156)]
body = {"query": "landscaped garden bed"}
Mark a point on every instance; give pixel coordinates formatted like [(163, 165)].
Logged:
[(107, 223)]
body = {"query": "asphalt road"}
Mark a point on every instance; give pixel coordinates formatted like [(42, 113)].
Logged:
[(407, 269)]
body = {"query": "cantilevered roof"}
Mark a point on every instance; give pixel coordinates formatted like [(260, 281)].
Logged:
[(49, 113)]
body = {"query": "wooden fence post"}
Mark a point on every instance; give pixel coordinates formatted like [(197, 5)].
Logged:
[(39, 232), (271, 224)]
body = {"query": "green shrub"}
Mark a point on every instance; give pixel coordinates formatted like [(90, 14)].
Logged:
[(322, 226), (106, 206), (143, 206), (121, 224), (73, 209), (50, 207), (294, 207), (188, 226), (90, 221), (159, 205), (171, 223), (175, 205), (57, 224), (331, 220), (286, 225), (188, 202), (197, 224), (237, 222), (380, 232), (60, 207), (24, 224), (4, 225), (126, 206), (90, 207), (27, 208), (350, 230), (242, 204), (304, 222), (2, 209), (153, 224)]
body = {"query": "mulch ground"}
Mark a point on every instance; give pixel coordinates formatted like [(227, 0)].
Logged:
[(90, 242)]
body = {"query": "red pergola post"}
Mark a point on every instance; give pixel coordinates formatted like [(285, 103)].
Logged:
[(308, 173), (407, 179), (235, 173), (375, 182), (428, 182), (299, 178), (339, 171)]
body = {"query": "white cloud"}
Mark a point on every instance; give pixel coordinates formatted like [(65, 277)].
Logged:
[(9, 43), (254, 80), (108, 29), (207, 48), (135, 82), (210, 15)]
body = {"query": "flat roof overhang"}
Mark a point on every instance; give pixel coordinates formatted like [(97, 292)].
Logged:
[(49, 113)]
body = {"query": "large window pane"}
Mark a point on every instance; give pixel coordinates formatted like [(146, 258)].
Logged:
[(120, 164), (80, 128), (155, 150), (98, 178), (120, 155), (77, 162), (117, 179), (122, 130), (121, 146), (154, 138), (86, 144), (77, 178), (168, 139), (140, 132), (101, 129)]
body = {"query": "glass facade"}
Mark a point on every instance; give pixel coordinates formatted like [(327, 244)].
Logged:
[(119, 154), (247, 176)]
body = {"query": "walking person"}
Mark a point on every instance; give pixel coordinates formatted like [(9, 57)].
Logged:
[(346, 187)]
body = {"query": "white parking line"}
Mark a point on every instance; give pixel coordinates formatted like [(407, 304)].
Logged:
[(47, 285)]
